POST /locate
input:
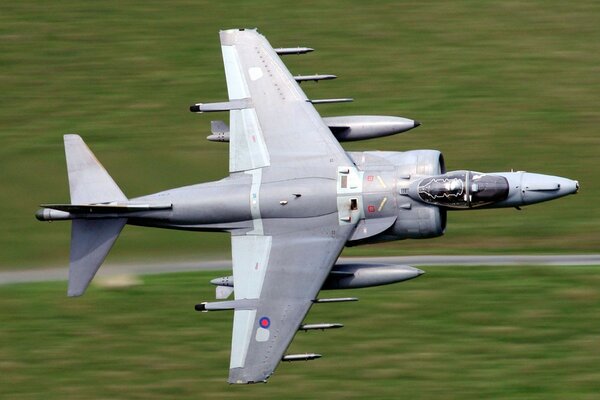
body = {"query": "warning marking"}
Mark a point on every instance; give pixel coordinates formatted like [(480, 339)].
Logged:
[(382, 204)]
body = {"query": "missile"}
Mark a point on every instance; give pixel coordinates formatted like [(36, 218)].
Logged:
[(308, 327), (335, 300), (284, 51), (330, 101), (300, 357), (316, 77)]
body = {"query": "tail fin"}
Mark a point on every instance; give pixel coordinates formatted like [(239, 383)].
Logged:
[(91, 239)]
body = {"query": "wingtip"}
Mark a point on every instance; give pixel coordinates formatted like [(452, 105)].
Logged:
[(72, 137), (237, 376), (75, 292)]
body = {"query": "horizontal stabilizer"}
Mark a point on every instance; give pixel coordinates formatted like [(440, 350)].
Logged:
[(106, 208), (88, 180), (91, 188), (91, 240)]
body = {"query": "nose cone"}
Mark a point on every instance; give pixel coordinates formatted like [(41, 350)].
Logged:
[(527, 188), (536, 188)]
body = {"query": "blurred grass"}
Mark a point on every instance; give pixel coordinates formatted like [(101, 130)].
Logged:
[(455, 333), (497, 85)]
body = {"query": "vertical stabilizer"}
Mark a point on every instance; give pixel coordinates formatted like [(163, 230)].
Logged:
[(88, 180)]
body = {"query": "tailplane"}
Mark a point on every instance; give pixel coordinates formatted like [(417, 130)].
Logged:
[(91, 239), (88, 180)]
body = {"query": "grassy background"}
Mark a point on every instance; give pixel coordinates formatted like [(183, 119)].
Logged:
[(454, 333), (497, 85)]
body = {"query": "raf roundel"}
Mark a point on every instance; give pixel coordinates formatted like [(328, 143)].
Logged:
[(264, 322)]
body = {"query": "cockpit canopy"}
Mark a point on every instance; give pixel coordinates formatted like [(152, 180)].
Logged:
[(463, 189)]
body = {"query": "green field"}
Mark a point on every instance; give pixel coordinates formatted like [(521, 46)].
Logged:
[(454, 333), (497, 85)]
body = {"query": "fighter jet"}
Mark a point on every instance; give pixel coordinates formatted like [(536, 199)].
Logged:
[(294, 198)]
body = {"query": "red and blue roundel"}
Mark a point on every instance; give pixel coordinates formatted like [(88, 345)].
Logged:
[(264, 322)]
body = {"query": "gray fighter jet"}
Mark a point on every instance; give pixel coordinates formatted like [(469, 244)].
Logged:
[(293, 199)]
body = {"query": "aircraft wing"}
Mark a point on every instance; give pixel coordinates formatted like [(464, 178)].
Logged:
[(272, 122), (277, 277), (278, 138)]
